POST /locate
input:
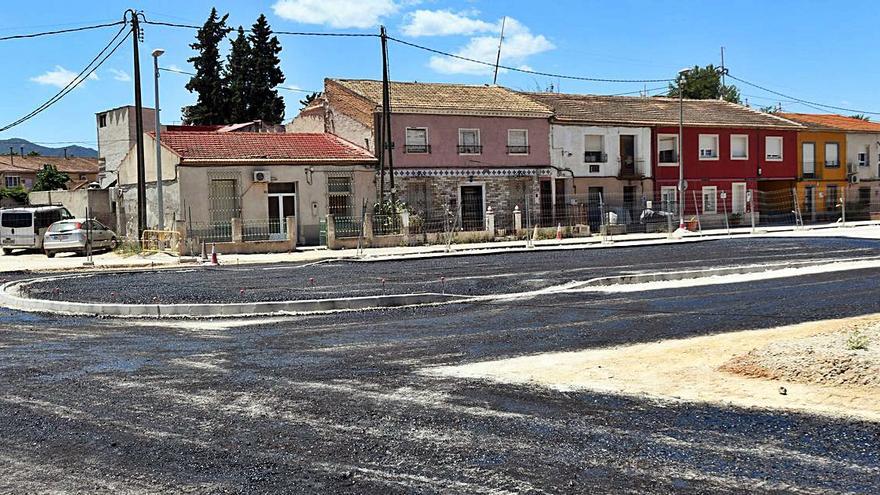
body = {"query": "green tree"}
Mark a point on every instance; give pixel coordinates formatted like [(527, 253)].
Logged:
[(861, 116), (265, 103), (238, 77), (211, 106), (50, 179), (310, 98), (704, 83), (33, 153), (17, 194)]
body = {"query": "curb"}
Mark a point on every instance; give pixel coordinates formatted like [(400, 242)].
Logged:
[(10, 297)]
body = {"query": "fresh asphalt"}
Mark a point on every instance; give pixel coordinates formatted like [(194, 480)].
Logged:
[(466, 275), (337, 403)]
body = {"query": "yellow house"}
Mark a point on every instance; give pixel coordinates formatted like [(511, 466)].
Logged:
[(822, 168)]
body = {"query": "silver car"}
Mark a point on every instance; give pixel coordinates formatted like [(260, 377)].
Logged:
[(76, 235)]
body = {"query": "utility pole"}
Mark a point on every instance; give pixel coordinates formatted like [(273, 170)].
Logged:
[(388, 144), (139, 126), (681, 76), (160, 204), (723, 73), (498, 56)]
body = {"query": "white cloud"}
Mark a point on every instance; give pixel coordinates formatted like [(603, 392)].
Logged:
[(519, 44), (336, 13), (60, 77), (119, 75), (444, 23)]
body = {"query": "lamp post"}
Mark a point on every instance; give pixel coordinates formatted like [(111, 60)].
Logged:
[(160, 205), (682, 74)]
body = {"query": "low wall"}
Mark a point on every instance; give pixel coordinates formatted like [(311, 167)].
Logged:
[(254, 247)]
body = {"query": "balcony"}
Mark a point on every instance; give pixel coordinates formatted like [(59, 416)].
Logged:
[(518, 150), (832, 163), (417, 149), (470, 149), (629, 169), (595, 157), (808, 171)]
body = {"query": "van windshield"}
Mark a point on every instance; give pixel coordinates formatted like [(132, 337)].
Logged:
[(16, 220), (64, 226)]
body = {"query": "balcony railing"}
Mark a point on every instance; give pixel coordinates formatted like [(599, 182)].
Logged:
[(595, 157), (417, 148), (668, 156), (470, 149), (518, 149), (832, 163), (808, 171), (630, 170)]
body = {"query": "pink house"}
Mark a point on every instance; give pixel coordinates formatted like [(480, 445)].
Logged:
[(458, 150)]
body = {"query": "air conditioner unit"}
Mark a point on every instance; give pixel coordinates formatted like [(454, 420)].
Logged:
[(261, 176), (853, 179)]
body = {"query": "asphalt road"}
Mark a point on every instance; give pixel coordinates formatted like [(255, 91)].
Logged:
[(481, 274), (336, 403)]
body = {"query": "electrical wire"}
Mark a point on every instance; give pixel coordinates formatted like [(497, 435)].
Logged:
[(85, 73), (60, 31), (526, 71), (798, 100), (288, 88), (171, 24)]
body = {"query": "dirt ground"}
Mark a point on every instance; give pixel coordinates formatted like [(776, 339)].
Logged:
[(806, 367)]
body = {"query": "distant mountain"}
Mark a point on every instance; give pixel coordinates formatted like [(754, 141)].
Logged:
[(18, 143)]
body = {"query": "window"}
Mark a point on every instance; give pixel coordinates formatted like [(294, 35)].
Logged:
[(102, 120), (339, 196), (710, 195), (739, 147), (863, 158), (13, 181), (667, 198), (594, 169), (416, 140), (831, 197), (517, 141), (667, 146), (708, 146), (594, 148), (224, 201), (832, 158), (469, 142), (773, 148), (17, 220)]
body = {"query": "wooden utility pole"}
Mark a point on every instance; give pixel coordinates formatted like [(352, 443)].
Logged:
[(388, 144), (498, 56), (139, 127)]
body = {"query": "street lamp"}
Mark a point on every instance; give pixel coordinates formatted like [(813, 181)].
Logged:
[(160, 206), (682, 75)]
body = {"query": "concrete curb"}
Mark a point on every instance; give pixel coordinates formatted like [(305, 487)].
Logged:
[(11, 297)]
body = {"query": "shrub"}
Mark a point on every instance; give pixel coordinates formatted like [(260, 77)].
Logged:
[(857, 341)]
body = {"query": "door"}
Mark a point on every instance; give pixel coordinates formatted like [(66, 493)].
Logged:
[(546, 203), (282, 204), (627, 155), (629, 204), (595, 198), (809, 198), (561, 203), (738, 201), (472, 208), (808, 159)]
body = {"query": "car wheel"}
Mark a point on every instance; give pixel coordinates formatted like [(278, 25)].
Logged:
[(50, 254), (7, 251), (114, 243)]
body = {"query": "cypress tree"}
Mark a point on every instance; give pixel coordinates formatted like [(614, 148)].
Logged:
[(211, 106), (238, 76), (265, 104)]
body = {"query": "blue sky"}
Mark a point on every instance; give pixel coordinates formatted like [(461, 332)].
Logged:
[(820, 51)]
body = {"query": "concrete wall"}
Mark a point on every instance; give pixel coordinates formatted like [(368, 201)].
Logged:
[(97, 200), (860, 142), (118, 136), (568, 145)]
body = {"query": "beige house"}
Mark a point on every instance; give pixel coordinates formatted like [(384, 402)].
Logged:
[(209, 178)]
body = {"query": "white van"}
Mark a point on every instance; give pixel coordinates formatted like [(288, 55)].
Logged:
[(23, 228)]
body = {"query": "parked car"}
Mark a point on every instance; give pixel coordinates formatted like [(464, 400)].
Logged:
[(76, 235), (24, 227)]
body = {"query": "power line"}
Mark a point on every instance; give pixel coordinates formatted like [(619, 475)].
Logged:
[(60, 31), (288, 88), (526, 71), (805, 102), (85, 73), (171, 24)]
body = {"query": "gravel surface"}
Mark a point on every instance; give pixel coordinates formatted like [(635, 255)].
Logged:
[(336, 403), (467, 275), (828, 359)]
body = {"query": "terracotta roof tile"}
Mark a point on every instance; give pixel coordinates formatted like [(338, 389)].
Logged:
[(33, 164), (269, 146), (832, 121), (631, 110), (450, 98)]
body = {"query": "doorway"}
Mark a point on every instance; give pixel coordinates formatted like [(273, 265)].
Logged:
[(472, 207), (809, 198), (282, 204), (546, 200), (627, 155)]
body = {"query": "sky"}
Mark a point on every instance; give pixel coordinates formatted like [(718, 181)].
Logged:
[(820, 51)]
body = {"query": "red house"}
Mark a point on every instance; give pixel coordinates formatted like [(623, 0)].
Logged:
[(730, 153)]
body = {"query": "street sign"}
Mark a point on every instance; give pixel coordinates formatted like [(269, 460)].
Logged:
[(723, 195)]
